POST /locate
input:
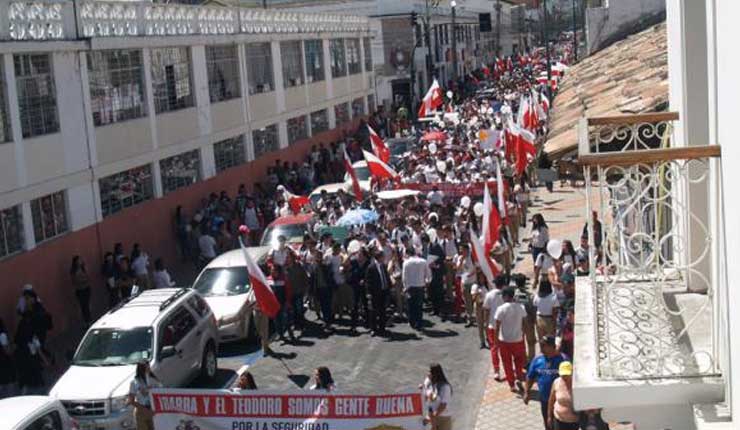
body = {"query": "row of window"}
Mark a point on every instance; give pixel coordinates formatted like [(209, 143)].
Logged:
[(116, 79), (134, 186)]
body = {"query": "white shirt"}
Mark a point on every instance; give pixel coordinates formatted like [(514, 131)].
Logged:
[(544, 262), (415, 273), (546, 304), (279, 256), (540, 237), (335, 261), (250, 218), (467, 271), (436, 397), (207, 245), (491, 302), (435, 197), (140, 265), (478, 291), (162, 279), (511, 315), (449, 247)]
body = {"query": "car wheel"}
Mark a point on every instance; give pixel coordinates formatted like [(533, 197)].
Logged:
[(209, 363)]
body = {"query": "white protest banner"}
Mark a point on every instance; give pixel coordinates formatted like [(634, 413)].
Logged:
[(176, 409)]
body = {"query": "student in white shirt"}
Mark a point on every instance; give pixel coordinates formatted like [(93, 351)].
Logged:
[(509, 328), (161, 276), (207, 245), (491, 303), (546, 301), (415, 276), (437, 393), (465, 270), (478, 292)]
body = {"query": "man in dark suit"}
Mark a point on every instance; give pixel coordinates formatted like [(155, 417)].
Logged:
[(378, 285), (437, 286)]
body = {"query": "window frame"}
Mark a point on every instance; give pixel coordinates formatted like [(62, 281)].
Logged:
[(338, 69), (260, 149), (102, 103), (353, 55), (354, 103), (6, 129), (293, 128), (5, 250), (219, 60), (314, 74), (146, 191), (347, 113), (268, 67), (312, 115), (171, 184), (367, 48), (162, 85), (292, 66), (230, 161), (59, 219), (26, 73)]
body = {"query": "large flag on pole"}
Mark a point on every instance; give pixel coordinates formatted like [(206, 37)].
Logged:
[(378, 168), (432, 100), (266, 299), (355, 183), (491, 222), (523, 147), (379, 147), (489, 267)]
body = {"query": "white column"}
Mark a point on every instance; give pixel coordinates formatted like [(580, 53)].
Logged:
[(149, 94), (283, 134), (277, 70), (243, 75), (15, 119), (200, 84), (77, 128), (29, 240)]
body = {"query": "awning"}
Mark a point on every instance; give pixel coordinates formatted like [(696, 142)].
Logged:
[(628, 77)]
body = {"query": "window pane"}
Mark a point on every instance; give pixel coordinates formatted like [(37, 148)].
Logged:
[(358, 107), (229, 153), (265, 140), (37, 99), (180, 171), (49, 216), (338, 60), (292, 57), (341, 113), (5, 133), (259, 68), (223, 72), (116, 86), (297, 129), (171, 79), (319, 121), (368, 54), (371, 103), (11, 231), (314, 60), (126, 189), (353, 56)]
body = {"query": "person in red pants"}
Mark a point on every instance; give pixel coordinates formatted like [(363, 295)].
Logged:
[(509, 322), (491, 303)]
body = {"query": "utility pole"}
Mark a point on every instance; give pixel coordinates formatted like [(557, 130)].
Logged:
[(546, 38), (412, 66), (453, 3), (575, 34), (498, 27)]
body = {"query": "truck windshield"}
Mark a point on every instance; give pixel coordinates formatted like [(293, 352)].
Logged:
[(223, 282), (115, 347)]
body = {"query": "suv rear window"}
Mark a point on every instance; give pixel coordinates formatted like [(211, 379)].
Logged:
[(223, 282), (178, 325)]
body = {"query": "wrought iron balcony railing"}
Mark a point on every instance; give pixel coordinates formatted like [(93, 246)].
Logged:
[(654, 302), (30, 20)]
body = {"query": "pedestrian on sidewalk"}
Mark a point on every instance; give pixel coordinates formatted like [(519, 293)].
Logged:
[(161, 276), (138, 396), (7, 366), (109, 271), (491, 303), (438, 395), (479, 290), (543, 371), (465, 270), (560, 413), (140, 267), (509, 322), (548, 309), (539, 237), (81, 284)]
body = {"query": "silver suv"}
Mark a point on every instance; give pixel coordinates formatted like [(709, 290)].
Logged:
[(173, 329)]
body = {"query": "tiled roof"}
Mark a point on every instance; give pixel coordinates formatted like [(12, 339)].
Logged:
[(628, 77)]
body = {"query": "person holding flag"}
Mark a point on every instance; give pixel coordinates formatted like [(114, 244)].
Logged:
[(432, 100)]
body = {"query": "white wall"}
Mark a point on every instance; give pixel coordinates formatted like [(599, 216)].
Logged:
[(604, 23)]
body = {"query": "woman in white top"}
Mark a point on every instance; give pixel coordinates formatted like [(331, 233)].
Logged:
[(539, 237), (322, 379), (478, 292), (438, 397), (161, 276), (139, 398)]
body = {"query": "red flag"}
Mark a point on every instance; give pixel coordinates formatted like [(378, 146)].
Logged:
[(266, 299), (489, 267), (355, 183), (295, 201), (379, 147), (432, 100), (491, 222), (545, 103), (378, 168), (523, 147), (486, 71)]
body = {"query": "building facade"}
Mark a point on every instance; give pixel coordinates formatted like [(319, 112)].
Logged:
[(114, 113), (608, 20)]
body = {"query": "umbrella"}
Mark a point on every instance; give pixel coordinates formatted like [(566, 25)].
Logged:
[(435, 135), (358, 217)]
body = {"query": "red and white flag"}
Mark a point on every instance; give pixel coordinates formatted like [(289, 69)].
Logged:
[(295, 201), (545, 103), (432, 100), (355, 183), (491, 222), (489, 267), (379, 147), (266, 299), (378, 168), (524, 148)]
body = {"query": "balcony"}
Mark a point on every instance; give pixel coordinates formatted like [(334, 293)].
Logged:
[(43, 20), (648, 320)]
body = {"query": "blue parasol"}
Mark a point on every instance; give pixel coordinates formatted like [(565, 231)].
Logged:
[(358, 217)]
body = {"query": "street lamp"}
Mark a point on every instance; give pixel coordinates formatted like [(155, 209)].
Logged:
[(453, 5)]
